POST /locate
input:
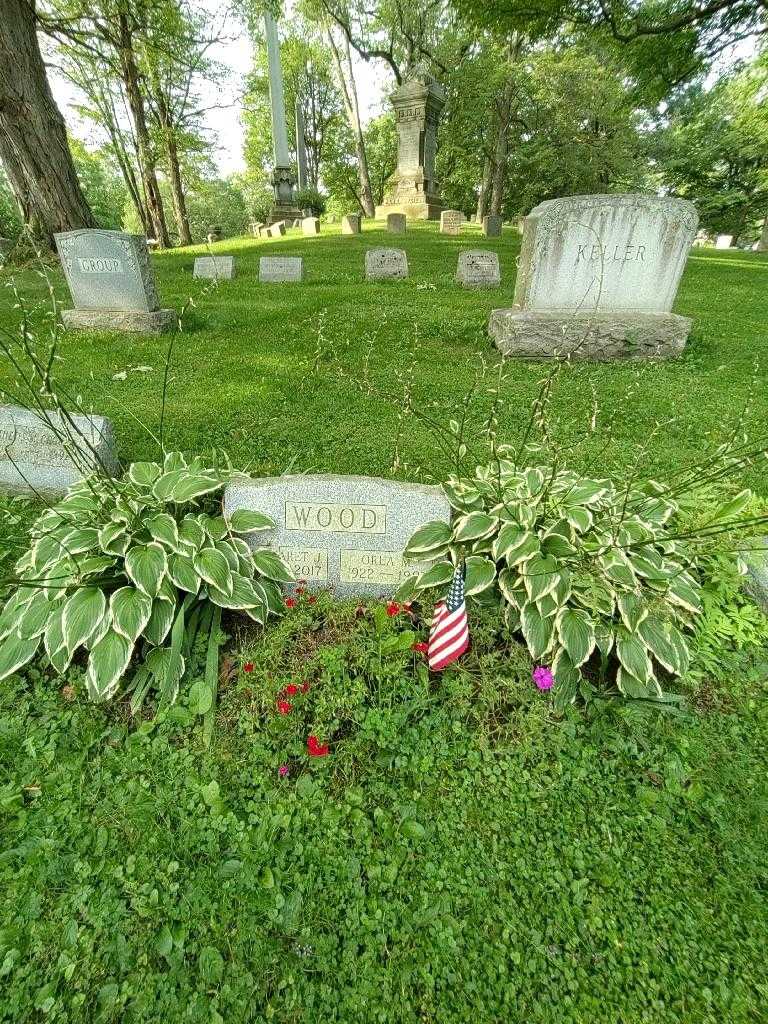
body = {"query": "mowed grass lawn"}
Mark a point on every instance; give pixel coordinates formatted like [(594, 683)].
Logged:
[(463, 855)]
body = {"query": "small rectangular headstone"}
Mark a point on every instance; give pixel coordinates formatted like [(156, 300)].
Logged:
[(277, 230), (216, 267), (351, 224), (279, 269), (478, 268), (396, 223), (346, 533), (724, 242), (451, 221), (492, 226), (385, 264), (43, 454), (311, 226)]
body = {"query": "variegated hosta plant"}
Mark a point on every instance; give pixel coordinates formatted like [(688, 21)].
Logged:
[(130, 565), (582, 567)]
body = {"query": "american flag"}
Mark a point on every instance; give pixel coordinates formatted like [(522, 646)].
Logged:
[(449, 633)]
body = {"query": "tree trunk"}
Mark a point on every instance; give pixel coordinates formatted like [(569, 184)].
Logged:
[(130, 77), (504, 114), (485, 190), (177, 190), (33, 137), (351, 105), (762, 245)]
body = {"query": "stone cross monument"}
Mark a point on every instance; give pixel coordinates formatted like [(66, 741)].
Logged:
[(283, 180), (412, 189)]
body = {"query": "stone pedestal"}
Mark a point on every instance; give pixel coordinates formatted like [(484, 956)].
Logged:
[(413, 189), (158, 321), (546, 334)]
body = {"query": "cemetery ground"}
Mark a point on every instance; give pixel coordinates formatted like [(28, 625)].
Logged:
[(462, 853)]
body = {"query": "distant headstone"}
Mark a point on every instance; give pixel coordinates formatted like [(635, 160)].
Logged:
[(351, 224), (724, 242), (597, 278), (343, 532), (256, 227), (296, 223), (492, 226), (280, 269), (396, 223), (216, 267), (385, 264), (451, 221), (215, 234), (311, 226), (277, 230), (43, 454), (6, 245), (111, 282), (478, 268)]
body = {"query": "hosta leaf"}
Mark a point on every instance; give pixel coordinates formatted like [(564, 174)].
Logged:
[(407, 589), (229, 553), (475, 526), (512, 618), (512, 588), (107, 663), (633, 655), (167, 665), (618, 570), (244, 594), (146, 565), (439, 575), (14, 608), (681, 647), (190, 487), (462, 495), (540, 575), (164, 485), (160, 622), (182, 572), (273, 596), (191, 533), (245, 520), (430, 539), (631, 686), (479, 575), (272, 566), (82, 616), (632, 609), (604, 638), (163, 529), (143, 474), (580, 519), (586, 492), (537, 631), (174, 461), (214, 568), (524, 548), (508, 537), (555, 544), (15, 653), (733, 508), (684, 594), (53, 641), (77, 542), (130, 609), (577, 634), (215, 526), (34, 617), (567, 678)]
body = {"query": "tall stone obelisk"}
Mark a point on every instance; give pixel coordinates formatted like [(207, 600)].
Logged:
[(283, 180)]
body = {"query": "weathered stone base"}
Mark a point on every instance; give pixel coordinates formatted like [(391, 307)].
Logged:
[(287, 213), (413, 211), (545, 334), (129, 321)]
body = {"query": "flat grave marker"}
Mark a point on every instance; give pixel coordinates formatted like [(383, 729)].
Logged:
[(280, 269), (216, 267)]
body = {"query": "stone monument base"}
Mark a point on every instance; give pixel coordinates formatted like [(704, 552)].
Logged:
[(413, 211), (286, 213), (131, 321), (544, 334)]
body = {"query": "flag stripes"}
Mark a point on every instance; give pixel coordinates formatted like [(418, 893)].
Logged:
[(449, 632)]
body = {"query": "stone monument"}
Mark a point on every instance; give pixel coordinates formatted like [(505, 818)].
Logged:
[(41, 453), (216, 267), (597, 278), (478, 268), (343, 532), (283, 181), (280, 269), (111, 282), (413, 189), (386, 265), (451, 221)]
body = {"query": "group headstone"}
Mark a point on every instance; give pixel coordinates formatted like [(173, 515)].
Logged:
[(311, 226), (451, 221), (724, 242), (478, 268), (597, 278), (111, 282), (347, 533), (492, 226), (46, 453), (351, 224), (396, 223), (385, 265), (216, 267), (281, 269)]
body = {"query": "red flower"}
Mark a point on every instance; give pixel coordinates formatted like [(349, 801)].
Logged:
[(284, 707), (393, 608), (312, 599), (290, 602), (315, 748), (300, 590), (291, 689), (248, 666), (420, 648), (305, 687)]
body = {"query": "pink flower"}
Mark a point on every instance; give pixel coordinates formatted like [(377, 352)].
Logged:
[(543, 677), (283, 771)]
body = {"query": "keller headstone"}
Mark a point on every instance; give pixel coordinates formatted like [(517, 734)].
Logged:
[(478, 268), (341, 532), (111, 282), (281, 269), (43, 454), (216, 267), (492, 226), (597, 278), (311, 226), (724, 242), (351, 224), (451, 221), (396, 223), (385, 265)]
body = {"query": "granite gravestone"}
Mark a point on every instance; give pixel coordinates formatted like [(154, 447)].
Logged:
[(311, 226), (280, 269), (43, 454), (111, 282), (385, 265), (396, 223), (492, 226), (451, 221), (597, 278), (478, 268), (351, 224), (277, 230), (216, 267), (343, 532)]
